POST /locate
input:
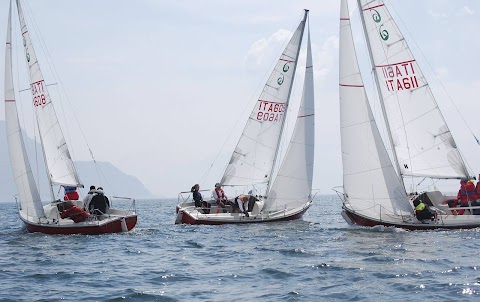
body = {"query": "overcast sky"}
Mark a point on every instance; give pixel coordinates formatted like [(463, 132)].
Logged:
[(162, 89)]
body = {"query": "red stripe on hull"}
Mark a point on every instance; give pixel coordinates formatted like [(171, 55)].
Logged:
[(187, 219), (364, 221), (111, 227)]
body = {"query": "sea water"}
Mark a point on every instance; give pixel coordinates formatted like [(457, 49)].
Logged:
[(316, 258)]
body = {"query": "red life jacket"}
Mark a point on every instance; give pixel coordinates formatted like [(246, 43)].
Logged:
[(71, 196), (220, 193), (467, 193)]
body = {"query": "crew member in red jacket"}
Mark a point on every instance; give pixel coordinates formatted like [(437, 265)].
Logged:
[(70, 193), (466, 194), (75, 213)]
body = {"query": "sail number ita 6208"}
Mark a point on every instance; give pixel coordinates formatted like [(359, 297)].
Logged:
[(38, 93)]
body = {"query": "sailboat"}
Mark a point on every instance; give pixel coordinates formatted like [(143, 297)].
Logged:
[(59, 165), (374, 192), (288, 196)]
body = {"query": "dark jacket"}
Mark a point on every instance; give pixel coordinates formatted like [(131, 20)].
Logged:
[(197, 197), (99, 204)]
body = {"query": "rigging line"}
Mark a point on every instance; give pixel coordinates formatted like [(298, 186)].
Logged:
[(441, 83), (29, 89), (43, 46), (56, 75), (50, 63), (99, 170)]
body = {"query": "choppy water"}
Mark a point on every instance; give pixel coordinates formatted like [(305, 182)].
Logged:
[(318, 258)]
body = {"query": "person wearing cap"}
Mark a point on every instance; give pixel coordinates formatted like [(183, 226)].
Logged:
[(88, 198), (219, 195)]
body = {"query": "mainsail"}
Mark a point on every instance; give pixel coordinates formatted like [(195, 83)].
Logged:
[(293, 184), (28, 195), (421, 138), (254, 156), (59, 163), (368, 173)]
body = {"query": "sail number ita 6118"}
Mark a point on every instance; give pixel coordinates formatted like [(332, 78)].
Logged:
[(270, 111), (399, 76)]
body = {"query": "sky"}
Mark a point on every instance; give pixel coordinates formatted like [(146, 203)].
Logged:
[(162, 89)]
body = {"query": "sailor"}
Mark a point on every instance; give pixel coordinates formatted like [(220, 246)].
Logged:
[(466, 194), (99, 204), (73, 212), (88, 198), (219, 195), (70, 193), (241, 201), (422, 212), (197, 196)]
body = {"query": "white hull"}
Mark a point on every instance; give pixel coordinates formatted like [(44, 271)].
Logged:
[(189, 214)]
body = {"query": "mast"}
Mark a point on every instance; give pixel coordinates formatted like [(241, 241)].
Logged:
[(382, 105), (288, 100)]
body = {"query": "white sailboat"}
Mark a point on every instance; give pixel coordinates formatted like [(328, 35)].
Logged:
[(252, 162), (373, 184), (59, 165)]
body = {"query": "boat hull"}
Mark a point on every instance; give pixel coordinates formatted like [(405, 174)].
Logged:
[(186, 217), (108, 227), (362, 220)]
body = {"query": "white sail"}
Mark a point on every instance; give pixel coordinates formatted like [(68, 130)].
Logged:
[(28, 195), (58, 161), (422, 140), (293, 184), (254, 156), (370, 182)]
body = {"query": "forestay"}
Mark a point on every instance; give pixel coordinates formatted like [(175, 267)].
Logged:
[(293, 184), (57, 156), (368, 173), (28, 195), (253, 158), (422, 140)]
